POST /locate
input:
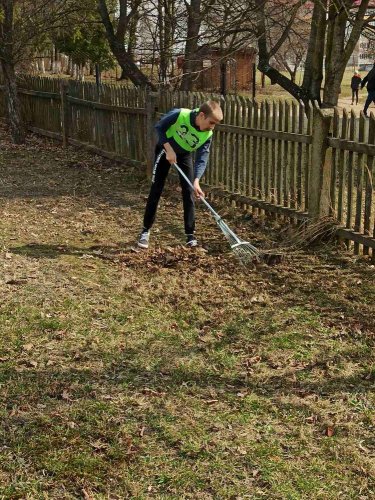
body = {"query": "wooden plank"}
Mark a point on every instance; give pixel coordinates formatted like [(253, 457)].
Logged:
[(64, 113), (293, 154), (249, 170), (257, 203), (254, 181), (349, 197), (335, 132), (233, 166), (228, 146), (239, 149), (261, 148), (352, 146), (359, 238), (307, 162), (369, 188), (39, 93), (287, 158), (279, 173), (222, 147), (359, 186), (271, 134), (301, 153), (267, 155), (273, 180), (341, 168), (108, 107), (320, 168), (89, 147)]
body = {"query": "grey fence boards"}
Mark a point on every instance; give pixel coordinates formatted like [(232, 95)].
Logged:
[(261, 154)]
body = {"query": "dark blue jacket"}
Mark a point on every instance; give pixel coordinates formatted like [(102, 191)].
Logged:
[(202, 153), (356, 82)]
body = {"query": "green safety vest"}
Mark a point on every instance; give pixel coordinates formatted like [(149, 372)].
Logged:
[(186, 136)]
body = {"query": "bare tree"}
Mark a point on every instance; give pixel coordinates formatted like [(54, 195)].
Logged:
[(292, 52), (7, 57), (23, 24), (195, 15), (343, 32), (335, 30), (128, 9)]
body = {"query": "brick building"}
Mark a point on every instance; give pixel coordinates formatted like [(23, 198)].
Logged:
[(218, 70)]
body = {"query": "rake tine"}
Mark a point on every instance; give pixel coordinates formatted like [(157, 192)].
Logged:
[(242, 249)]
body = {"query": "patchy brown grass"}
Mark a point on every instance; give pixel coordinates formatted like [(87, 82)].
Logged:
[(168, 373)]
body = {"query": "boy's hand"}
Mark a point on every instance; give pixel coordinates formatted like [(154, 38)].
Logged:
[(170, 153), (197, 189)]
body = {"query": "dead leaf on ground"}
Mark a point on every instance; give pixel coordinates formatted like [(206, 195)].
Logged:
[(330, 431), (66, 396)]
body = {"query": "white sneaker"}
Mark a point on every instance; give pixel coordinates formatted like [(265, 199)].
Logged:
[(191, 241), (143, 239)]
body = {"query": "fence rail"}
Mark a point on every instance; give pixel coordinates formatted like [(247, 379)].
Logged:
[(274, 156)]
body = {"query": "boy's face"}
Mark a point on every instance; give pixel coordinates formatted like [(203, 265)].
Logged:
[(204, 122)]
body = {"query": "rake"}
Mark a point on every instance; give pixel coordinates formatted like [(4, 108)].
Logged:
[(243, 250)]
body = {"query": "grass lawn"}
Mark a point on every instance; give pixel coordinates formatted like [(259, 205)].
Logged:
[(171, 374)]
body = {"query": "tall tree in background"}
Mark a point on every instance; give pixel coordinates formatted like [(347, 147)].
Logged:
[(267, 51), (167, 32), (336, 26), (116, 31), (23, 23), (344, 28), (292, 52), (195, 15), (7, 57)]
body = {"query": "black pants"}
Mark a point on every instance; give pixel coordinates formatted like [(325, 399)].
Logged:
[(355, 95), (369, 100), (159, 175)]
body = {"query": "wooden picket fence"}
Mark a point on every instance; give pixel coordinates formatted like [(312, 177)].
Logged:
[(273, 156)]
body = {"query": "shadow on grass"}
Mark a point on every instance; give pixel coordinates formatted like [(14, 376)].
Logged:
[(128, 370), (40, 251)]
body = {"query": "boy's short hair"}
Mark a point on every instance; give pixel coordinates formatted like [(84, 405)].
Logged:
[(208, 108)]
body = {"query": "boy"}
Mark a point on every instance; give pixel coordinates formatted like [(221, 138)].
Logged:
[(181, 132)]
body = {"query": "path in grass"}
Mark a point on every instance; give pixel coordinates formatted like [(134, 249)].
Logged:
[(170, 374)]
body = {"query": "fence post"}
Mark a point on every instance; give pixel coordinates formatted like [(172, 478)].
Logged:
[(320, 170), (151, 109), (64, 110)]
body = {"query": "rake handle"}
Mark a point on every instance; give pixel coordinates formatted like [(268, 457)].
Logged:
[(214, 213)]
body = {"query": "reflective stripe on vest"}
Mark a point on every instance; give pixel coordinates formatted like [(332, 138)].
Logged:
[(186, 136)]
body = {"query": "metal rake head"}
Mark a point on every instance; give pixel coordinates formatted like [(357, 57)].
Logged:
[(245, 252)]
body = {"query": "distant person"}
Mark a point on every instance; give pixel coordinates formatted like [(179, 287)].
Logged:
[(355, 83), (370, 80)]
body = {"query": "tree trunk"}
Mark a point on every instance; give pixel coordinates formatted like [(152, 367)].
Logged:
[(12, 103), (163, 59), (313, 76), (337, 52), (264, 56), (191, 47), (165, 29), (116, 43)]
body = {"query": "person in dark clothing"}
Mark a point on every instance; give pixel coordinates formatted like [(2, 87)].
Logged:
[(180, 133), (355, 83), (370, 80)]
